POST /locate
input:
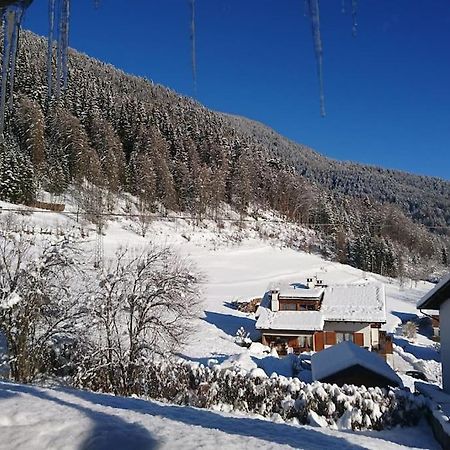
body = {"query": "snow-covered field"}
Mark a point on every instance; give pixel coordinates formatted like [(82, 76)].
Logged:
[(233, 269)]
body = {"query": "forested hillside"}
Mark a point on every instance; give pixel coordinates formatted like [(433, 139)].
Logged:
[(124, 133), (425, 199)]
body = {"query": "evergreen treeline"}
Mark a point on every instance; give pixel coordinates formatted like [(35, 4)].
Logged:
[(425, 199), (125, 133)]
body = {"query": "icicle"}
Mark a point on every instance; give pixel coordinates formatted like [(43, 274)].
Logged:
[(305, 8), (354, 10), (14, 49), (58, 51), (315, 24), (65, 41), (11, 18), (60, 14), (51, 22), (193, 45), (9, 21)]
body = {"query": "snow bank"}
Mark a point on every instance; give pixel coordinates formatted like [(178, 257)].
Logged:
[(240, 361), (41, 419)]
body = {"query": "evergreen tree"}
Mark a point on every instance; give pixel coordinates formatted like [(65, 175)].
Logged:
[(16, 175)]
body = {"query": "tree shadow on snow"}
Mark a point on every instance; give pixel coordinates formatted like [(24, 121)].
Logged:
[(405, 316), (107, 431), (231, 305), (5, 394), (419, 351), (231, 323), (306, 438)]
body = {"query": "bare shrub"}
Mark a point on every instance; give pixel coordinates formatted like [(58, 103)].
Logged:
[(38, 310), (410, 329), (143, 305)]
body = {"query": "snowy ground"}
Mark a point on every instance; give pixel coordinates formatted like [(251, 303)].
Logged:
[(233, 269), (38, 418)]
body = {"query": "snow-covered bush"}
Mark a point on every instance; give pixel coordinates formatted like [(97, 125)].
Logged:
[(60, 315), (278, 397), (39, 306), (242, 338)]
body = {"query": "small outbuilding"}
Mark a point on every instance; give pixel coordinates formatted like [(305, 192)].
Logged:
[(348, 363), (438, 299)]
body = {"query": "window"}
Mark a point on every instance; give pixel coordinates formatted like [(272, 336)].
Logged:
[(295, 305), (305, 341), (341, 337), (288, 306)]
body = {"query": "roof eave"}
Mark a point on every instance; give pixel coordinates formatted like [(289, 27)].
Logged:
[(435, 298), (327, 319)]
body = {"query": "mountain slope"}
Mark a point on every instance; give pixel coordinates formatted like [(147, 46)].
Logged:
[(425, 199), (124, 133)]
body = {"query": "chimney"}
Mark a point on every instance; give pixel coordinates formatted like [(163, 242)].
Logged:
[(275, 304), (310, 283)]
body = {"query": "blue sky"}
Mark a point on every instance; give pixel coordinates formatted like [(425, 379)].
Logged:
[(387, 91)]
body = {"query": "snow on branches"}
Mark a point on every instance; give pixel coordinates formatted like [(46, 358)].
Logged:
[(38, 307), (143, 305), (60, 315), (277, 398)]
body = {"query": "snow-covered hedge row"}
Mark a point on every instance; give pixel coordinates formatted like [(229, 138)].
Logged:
[(281, 398)]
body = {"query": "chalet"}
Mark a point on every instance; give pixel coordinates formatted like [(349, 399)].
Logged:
[(438, 299), (348, 363), (312, 317)]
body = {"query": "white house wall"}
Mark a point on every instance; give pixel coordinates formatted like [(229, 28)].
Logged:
[(375, 334), (444, 318)]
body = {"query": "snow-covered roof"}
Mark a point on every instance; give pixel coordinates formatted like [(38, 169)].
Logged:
[(299, 291), (437, 295), (345, 355), (343, 303), (355, 303), (289, 320)]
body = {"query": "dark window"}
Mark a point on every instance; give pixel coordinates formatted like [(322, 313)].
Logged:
[(341, 337), (288, 307)]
